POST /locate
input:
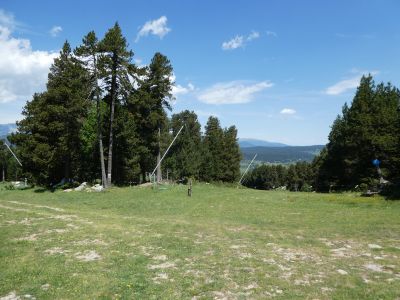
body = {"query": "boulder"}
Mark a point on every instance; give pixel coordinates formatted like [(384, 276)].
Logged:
[(81, 187)]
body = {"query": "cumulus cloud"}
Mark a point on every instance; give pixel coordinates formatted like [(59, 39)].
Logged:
[(288, 111), (178, 90), (156, 27), (7, 20), (234, 43), (23, 71), (347, 84), (239, 41), (182, 90), (55, 31), (233, 92)]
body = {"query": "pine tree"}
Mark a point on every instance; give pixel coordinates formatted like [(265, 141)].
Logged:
[(118, 72), (365, 131), (148, 105), (48, 136), (89, 53), (213, 151), (231, 156), (185, 158)]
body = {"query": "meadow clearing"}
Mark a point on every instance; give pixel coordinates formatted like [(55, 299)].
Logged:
[(222, 243)]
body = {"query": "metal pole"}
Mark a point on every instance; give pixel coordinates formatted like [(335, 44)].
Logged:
[(240, 181), (13, 153), (159, 163)]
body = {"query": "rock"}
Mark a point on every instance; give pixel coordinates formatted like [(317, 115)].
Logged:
[(97, 188), (342, 272), (81, 187), (68, 190)]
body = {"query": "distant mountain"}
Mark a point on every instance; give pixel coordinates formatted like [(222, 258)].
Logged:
[(285, 154), (6, 129), (246, 143)]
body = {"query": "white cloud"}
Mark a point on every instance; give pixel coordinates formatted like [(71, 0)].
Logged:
[(233, 92), (55, 31), (347, 84), (253, 35), (182, 90), (271, 33), (156, 27), (178, 89), (7, 20), (234, 43), (23, 71), (343, 86), (239, 41), (288, 111)]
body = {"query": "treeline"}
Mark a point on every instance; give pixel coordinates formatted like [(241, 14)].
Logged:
[(294, 177), (366, 130), (103, 117)]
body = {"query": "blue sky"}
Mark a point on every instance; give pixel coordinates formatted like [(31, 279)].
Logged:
[(278, 70)]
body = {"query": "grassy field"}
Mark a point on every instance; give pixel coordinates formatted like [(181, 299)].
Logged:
[(222, 243)]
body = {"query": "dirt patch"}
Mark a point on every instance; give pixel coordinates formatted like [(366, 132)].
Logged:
[(11, 296), (165, 265), (88, 256), (91, 242), (160, 277), (374, 267), (14, 209), (45, 286), (57, 230), (37, 206), (374, 246), (64, 217), (56, 250), (160, 257), (32, 237)]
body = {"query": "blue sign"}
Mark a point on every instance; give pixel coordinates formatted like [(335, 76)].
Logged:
[(376, 162)]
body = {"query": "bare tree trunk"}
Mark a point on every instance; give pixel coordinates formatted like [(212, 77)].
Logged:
[(100, 137), (159, 175), (99, 131), (4, 174), (112, 108)]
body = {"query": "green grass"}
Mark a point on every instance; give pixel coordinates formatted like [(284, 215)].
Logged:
[(221, 243)]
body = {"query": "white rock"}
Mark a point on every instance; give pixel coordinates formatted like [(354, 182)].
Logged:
[(81, 187), (342, 272), (97, 188)]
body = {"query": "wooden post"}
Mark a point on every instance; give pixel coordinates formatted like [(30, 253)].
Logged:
[(190, 188)]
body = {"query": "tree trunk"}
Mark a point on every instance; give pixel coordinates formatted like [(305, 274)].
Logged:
[(159, 175), (112, 108), (99, 132), (4, 174), (101, 150)]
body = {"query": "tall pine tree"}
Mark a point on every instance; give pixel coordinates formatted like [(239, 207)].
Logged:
[(118, 73), (48, 136)]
